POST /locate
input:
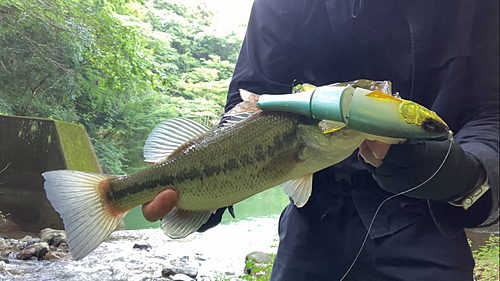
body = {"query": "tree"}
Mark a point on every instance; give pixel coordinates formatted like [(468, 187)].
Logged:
[(119, 67)]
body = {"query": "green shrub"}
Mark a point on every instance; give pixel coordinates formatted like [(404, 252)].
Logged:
[(487, 259)]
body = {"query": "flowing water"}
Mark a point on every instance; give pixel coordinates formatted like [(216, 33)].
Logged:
[(216, 253)]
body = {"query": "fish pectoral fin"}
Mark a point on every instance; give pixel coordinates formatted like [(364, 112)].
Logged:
[(299, 189), (169, 135), (179, 223), (87, 216), (329, 126)]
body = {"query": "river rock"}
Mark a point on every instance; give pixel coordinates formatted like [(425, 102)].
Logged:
[(257, 259), (26, 253), (184, 259), (199, 257), (2, 266), (63, 247), (27, 239), (54, 255), (146, 247), (18, 245), (168, 271), (41, 249), (3, 245), (53, 236), (4, 259)]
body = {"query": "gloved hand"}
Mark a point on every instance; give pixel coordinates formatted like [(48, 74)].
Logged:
[(398, 168)]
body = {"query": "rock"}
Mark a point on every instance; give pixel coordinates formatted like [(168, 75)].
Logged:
[(167, 272), (63, 247), (3, 245), (184, 259), (18, 245), (173, 270), (26, 254), (199, 257), (41, 249), (27, 239), (53, 255), (5, 253), (2, 266), (53, 236), (146, 247), (256, 260)]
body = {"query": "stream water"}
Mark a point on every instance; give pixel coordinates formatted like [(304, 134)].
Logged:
[(217, 253)]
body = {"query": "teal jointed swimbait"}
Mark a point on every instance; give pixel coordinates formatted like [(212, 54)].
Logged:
[(361, 105)]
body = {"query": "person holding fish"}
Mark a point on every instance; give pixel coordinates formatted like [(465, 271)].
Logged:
[(441, 54)]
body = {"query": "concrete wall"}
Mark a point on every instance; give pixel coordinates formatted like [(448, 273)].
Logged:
[(29, 147)]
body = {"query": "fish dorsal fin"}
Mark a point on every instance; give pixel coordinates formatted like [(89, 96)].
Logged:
[(299, 189), (235, 119), (249, 103), (180, 223), (169, 135)]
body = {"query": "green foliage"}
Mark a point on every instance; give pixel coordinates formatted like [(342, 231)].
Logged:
[(119, 67), (487, 259), (260, 272), (3, 216), (219, 277)]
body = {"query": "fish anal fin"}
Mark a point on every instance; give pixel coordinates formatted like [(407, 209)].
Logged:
[(79, 197), (299, 189), (179, 223)]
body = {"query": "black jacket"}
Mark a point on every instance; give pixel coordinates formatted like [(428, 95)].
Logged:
[(441, 54)]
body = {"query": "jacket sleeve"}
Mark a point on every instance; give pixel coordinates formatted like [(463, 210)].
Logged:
[(479, 135)]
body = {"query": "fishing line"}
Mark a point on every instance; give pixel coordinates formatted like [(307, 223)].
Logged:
[(391, 197)]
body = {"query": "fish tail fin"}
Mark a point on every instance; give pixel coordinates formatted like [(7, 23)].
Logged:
[(80, 199), (249, 103)]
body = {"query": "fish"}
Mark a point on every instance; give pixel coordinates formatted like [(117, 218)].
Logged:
[(209, 169)]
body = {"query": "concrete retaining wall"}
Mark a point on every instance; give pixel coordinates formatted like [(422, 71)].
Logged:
[(29, 147)]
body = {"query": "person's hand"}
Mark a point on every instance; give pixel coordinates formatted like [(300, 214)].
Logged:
[(160, 206), (440, 170), (374, 152)]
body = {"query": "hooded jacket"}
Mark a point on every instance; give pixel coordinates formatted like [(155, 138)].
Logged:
[(441, 54)]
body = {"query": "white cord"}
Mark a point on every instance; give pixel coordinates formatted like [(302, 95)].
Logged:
[(389, 198)]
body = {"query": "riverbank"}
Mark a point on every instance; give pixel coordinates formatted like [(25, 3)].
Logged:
[(148, 254), (217, 253)]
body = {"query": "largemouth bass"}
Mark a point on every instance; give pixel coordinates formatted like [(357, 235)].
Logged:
[(208, 169)]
